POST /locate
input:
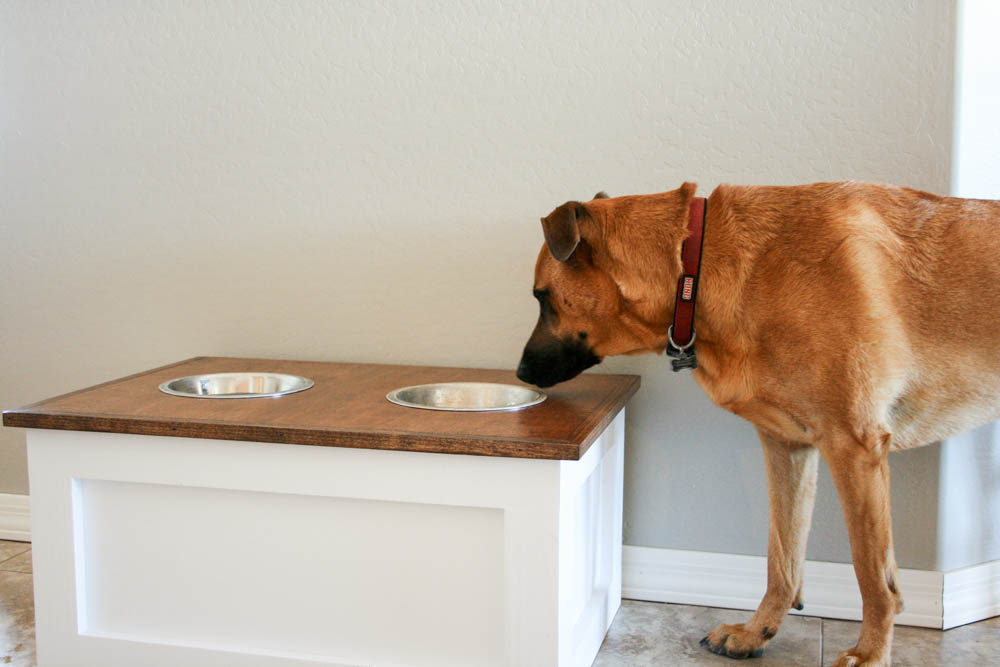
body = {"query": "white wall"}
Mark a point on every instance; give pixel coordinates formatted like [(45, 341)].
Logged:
[(969, 505), (363, 180), (975, 166)]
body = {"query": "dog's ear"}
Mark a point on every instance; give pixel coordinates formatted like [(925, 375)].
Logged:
[(601, 195), (562, 229)]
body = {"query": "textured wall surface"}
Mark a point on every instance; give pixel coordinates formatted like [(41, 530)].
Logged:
[(363, 180)]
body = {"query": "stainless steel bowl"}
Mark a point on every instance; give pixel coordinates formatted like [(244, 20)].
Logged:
[(467, 396), (236, 385)]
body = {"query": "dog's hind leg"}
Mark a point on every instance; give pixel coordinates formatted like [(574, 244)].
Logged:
[(860, 472), (791, 481)]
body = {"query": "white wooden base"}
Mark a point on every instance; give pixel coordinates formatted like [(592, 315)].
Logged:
[(161, 551)]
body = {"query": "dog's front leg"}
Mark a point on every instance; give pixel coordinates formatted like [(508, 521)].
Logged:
[(791, 481), (860, 472)]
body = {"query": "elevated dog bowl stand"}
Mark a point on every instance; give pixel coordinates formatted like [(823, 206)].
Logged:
[(325, 527)]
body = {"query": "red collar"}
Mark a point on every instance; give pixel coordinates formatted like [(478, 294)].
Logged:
[(680, 336)]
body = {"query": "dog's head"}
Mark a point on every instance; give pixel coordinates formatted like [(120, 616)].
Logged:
[(583, 316)]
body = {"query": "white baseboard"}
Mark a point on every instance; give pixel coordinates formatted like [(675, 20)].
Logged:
[(931, 599), (971, 594), (15, 517)]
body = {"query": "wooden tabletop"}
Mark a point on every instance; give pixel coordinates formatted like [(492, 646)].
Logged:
[(346, 408)]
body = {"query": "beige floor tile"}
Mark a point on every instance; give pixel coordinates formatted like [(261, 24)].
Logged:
[(19, 563), (9, 549), (17, 620), (990, 622), (650, 634), (974, 644)]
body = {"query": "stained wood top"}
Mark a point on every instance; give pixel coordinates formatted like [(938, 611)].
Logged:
[(346, 408)]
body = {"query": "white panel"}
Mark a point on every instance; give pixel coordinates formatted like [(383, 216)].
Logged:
[(524, 491), (977, 101), (590, 546), (365, 580)]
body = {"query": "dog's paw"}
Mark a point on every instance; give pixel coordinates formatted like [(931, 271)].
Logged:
[(855, 658), (737, 641)]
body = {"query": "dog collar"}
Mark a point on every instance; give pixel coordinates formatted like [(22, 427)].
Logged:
[(680, 335)]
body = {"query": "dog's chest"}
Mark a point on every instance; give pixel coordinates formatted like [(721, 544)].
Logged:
[(776, 421), (780, 419)]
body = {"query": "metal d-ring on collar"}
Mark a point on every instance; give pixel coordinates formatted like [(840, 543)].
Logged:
[(673, 343), (682, 356)]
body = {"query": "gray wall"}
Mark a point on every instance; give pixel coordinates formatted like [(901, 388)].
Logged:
[(694, 479), (363, 181), (968, 527)]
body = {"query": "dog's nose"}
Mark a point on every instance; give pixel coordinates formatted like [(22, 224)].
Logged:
[(522, 372)]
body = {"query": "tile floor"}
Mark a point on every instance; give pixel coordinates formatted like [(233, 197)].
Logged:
[(644, 634), (17, 605), (648, 634)]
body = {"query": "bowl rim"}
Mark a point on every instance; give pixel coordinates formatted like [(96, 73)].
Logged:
[(539, 397), (302, 383)]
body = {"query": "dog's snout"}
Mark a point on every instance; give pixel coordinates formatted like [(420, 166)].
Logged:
[(552, 364), (524, 372), (532, 367)]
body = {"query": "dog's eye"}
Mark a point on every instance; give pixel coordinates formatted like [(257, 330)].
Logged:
[(545, 304)]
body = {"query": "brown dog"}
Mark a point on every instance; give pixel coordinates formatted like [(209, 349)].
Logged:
[(842, 319)]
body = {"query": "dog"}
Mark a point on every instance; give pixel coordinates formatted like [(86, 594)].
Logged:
[(843, 320)]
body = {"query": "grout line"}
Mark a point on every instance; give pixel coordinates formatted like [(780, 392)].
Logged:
[(822, 639), (28, 548), (7, 560)]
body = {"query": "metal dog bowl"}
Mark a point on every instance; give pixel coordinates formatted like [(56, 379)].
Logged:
[(236, 385), (466, 396)]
